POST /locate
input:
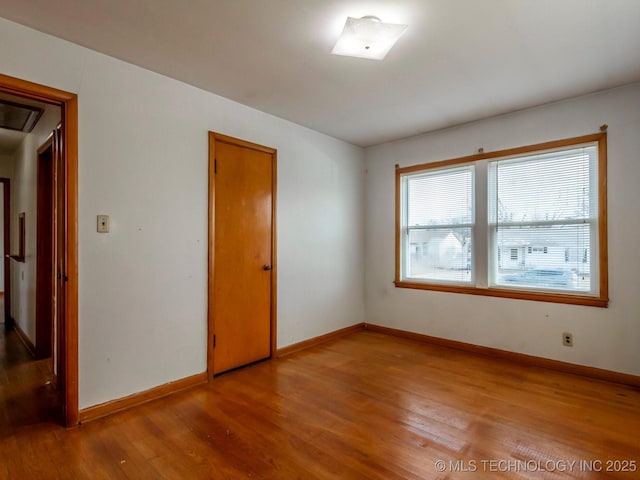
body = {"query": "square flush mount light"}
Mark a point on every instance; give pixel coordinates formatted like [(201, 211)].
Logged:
[(367, 37)]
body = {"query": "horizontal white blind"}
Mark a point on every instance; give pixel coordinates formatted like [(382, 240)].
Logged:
[(541, 188), (543, 214), (439, 229), (442, 197)]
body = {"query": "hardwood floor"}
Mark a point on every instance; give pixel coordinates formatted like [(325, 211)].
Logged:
[(27, 394), (366, 406)]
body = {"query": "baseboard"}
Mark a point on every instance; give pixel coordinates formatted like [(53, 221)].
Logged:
[(23, 337), (114, 406), (312, 342), (565, 367)]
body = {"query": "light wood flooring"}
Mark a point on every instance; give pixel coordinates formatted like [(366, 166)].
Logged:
[(366, 406)]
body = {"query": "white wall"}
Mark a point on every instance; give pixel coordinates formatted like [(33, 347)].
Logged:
[(6, 165), (604, 338), (24, 199), (143, 153)]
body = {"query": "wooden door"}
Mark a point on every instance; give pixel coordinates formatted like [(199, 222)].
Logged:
[(44, 250), (60, 253), (242, 253)]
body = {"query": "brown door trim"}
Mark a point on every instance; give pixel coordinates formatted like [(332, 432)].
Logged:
[(6, 197), (69, 323), (213, 139)]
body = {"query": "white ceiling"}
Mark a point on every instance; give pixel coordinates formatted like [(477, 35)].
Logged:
[(460, 60)]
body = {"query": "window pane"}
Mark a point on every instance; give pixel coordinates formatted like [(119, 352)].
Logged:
[(440, 254), (544, 257), (441, 197), (549, 187)]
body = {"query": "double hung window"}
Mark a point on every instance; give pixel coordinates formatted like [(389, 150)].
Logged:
[(526, 223), (439, 224)]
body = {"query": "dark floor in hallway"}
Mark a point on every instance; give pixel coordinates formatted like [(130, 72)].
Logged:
[(27, 394)]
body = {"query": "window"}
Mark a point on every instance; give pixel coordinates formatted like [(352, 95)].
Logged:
[(543, 205), (439, 208), (545, 198)]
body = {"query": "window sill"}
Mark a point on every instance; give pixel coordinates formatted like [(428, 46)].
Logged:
[(508, 293)]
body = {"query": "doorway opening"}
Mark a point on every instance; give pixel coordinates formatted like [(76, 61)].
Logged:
[(54, 222)]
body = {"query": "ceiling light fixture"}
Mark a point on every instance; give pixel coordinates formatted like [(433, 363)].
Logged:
[(18, 116), (367, 37)]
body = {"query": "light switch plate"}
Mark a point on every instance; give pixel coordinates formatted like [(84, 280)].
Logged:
[(103, 223)]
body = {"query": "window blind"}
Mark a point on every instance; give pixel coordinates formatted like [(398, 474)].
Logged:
[(440, 217), (543, 220)]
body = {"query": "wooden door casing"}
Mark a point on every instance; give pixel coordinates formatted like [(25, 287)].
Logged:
[(68, 136)]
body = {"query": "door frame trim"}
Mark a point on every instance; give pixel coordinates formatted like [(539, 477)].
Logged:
[(6, 207), (68, 102), (213, 139)]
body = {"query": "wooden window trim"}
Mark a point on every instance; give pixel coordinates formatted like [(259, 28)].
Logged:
[(601, 300)]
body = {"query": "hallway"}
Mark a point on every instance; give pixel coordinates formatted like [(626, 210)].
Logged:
[(27, 396)]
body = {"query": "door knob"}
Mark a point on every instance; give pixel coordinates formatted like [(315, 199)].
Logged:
[(267, 267)]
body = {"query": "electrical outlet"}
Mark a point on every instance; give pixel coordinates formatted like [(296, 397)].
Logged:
[(567, 339)]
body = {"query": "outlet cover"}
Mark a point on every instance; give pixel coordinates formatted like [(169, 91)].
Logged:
[(103, 223), (567, 339)]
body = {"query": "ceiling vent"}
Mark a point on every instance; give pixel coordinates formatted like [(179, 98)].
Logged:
[(16, 116)]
